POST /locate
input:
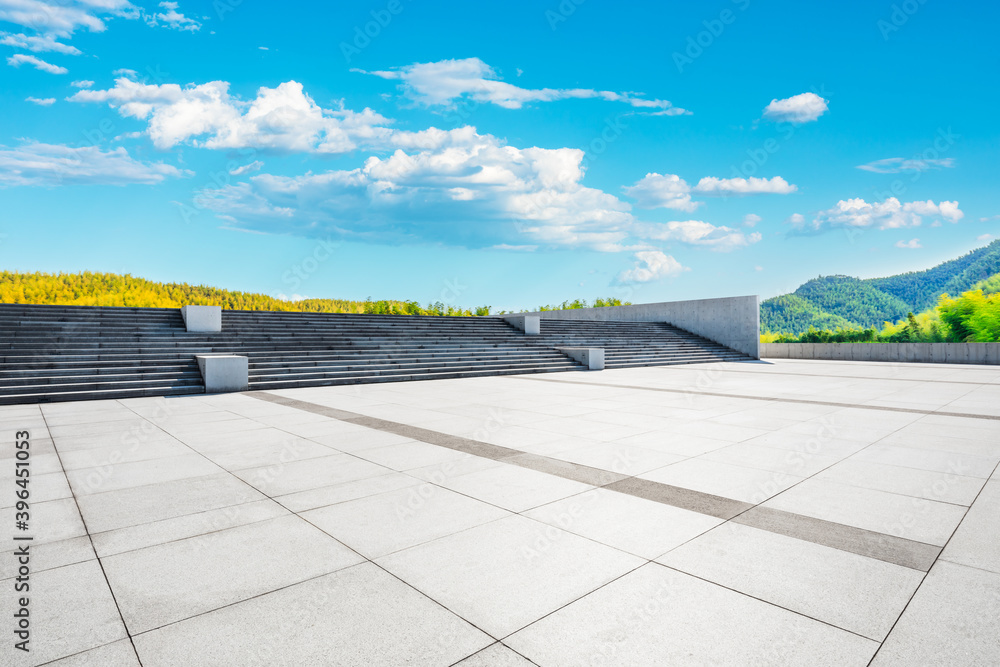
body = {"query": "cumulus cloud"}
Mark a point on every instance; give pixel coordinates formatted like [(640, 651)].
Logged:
[(662, 191), (751, 220), (894, 165), (650, 265), (697, 233), (671, 191), (912, 244), (83, 83), (481, 193), (48, 101), (889, 214), (744, 186), (803, 108), (984, 237), (64, 17), (171, 18), (282, 119), (38, 43), (54, 164), (19, 59), (442, 83)]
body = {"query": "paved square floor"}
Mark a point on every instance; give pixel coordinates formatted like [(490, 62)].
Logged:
[(781, 512)]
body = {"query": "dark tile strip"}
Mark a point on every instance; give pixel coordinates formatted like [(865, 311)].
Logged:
[(676, 496), (566, 469), (769, 399), (888, 548)]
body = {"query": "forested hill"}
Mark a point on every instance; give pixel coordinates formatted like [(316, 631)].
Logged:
[(832, 302)]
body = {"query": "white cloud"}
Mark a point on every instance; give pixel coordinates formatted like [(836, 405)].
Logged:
[(53, 164), (282, 119), (83, 83), (38, 43), (751, 220), (758, 268), (48, 101), (477, 193), (62, 18), (894, 165), (802, 108), (662, 191), (744, 186), (126, 72), (650, 265), (671, 191), (697, 233), (890, 214), (247, 168), (989, 218), (442, 83), (984, 237), (912, 244), (19, 59), (172, 18)]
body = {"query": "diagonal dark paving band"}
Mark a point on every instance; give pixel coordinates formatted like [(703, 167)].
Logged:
[(887, 548)]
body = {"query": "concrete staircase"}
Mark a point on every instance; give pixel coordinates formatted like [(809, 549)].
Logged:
[(62, 353), (632, 344)]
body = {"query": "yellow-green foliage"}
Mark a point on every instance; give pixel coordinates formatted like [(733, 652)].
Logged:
[(973, 317), (109, 289)]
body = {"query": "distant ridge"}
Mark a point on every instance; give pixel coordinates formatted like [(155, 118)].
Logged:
[(833, 302)]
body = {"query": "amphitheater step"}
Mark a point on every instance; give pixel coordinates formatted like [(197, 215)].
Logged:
[(58, 353)]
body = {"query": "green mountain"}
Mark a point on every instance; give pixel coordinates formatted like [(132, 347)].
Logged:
[(833, 302)]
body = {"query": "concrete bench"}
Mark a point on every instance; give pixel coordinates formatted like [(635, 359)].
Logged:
[(224, 372), (591, 357), (202, 319), (531, 325)]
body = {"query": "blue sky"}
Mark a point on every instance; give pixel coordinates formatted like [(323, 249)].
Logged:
[(508, 154)]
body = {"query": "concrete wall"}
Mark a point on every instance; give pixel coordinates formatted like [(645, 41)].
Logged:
[(935, 353), (733, 321)]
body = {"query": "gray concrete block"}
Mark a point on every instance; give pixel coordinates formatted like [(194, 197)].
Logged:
[(224, 372), (939, 353), (977, 353), (993, 353), (591, 357), (529, 324), (202, 319)]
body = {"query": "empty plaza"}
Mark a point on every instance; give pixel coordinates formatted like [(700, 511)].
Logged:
[(780, 512)]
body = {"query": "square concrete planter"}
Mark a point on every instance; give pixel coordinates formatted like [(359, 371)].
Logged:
[(202, 319), (224, 372)]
